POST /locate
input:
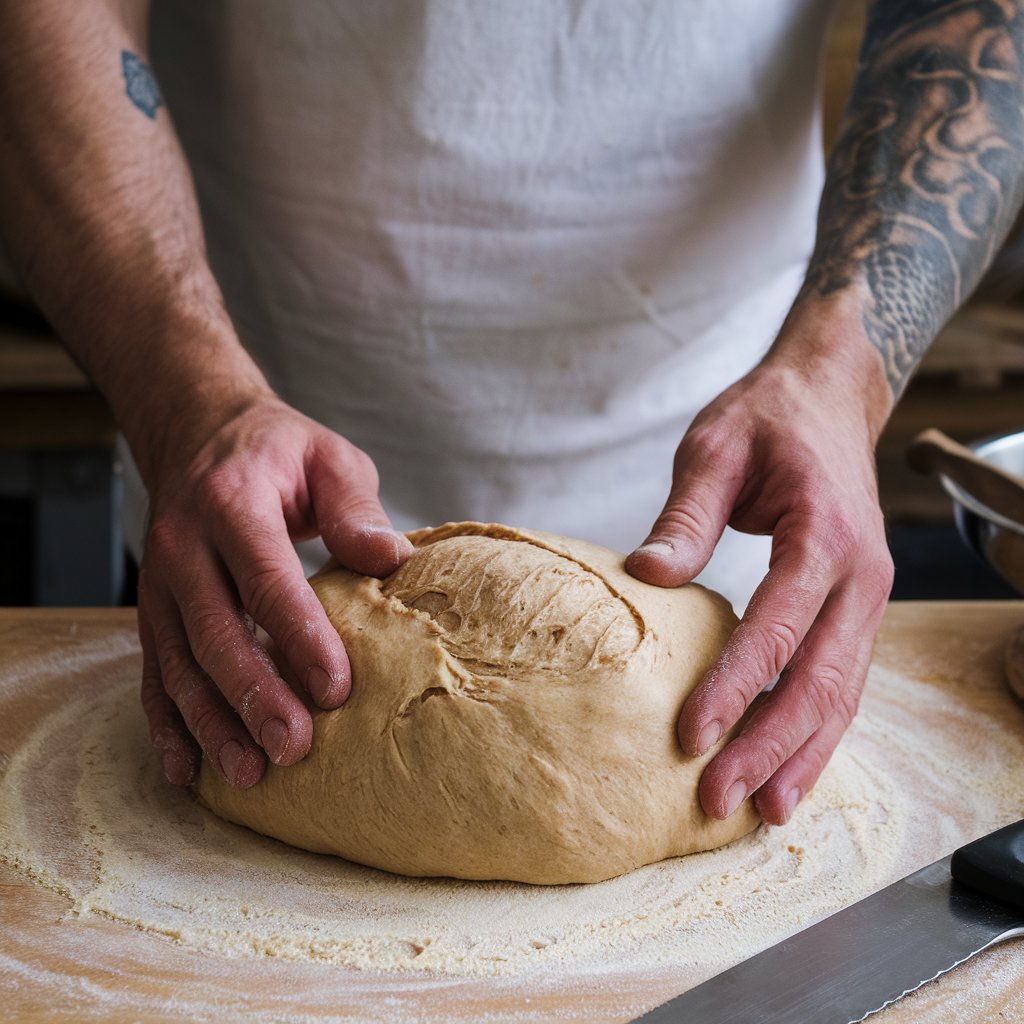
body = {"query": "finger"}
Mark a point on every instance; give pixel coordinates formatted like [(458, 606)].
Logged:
[(779, 796), (350, 518), (218, 730), (267, 573), (178, 751), (822, 685), (778, 617), (706, 479), (225, 648)]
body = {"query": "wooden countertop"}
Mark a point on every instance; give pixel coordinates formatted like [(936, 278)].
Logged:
[(55, 965)]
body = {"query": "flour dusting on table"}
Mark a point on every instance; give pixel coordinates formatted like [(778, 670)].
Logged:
[(85, 810)]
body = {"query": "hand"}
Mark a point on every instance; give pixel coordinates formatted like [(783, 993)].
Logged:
[(774, 454), (219, 559)]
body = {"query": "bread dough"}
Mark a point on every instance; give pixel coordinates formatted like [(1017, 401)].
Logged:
[(512, 716)]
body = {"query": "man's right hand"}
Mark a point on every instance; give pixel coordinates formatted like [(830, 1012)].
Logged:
[(105, 229), (219, 558)]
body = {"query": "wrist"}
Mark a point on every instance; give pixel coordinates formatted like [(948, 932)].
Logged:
[(825, 344), (178, 381)]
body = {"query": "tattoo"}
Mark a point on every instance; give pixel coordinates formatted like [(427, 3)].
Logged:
[(140, 84), (928, 173)]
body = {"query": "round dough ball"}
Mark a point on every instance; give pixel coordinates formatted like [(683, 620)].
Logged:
[(512, 716)]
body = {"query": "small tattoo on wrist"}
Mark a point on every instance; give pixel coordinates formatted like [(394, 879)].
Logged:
[(140, 84)]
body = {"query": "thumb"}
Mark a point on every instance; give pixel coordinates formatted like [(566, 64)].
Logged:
[(349, 515), (690, 525)]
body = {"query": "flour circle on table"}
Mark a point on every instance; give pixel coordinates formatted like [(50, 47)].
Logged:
[(85, 810)]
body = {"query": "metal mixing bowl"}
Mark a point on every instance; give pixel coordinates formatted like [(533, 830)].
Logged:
[(1000, 541)]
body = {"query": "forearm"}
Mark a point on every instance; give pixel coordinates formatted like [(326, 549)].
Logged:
[(926, 177), (100, 216)]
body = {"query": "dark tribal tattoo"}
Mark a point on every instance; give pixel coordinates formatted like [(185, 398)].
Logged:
[(139, 84), (928, 173)]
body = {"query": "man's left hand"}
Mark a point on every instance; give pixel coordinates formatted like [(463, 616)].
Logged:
[(776, 454)]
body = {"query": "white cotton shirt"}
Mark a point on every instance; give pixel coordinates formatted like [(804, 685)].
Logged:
[(508, 248)]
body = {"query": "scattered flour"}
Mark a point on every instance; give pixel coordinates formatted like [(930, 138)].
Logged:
[(85, 810)]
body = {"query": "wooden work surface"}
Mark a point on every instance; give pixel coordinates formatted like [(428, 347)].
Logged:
[(57, 966)]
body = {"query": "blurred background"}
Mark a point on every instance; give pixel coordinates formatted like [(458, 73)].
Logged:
[(60, 541)]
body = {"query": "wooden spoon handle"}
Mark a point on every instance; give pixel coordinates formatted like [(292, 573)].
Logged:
[(933, 452)]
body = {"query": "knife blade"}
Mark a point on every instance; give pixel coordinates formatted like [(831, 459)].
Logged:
[(868, 955)]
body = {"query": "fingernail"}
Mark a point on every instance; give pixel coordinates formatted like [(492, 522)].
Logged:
[(177, 770), (655, 547), (789, 802), (164, 742), (230, 758), (327, 690), (736, 795), (274, 738), (319, 683), (709, 736)]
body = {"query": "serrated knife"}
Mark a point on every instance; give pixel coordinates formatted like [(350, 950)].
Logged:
[(865, 957)]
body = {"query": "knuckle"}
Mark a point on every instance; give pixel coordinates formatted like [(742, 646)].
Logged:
[(878, 577), (748, 687), (846, 707), (684, 515), (162, 544), (174, 657), (772, 753), (217, 488), (826, 693), (153, 697), (264, 590), (212, 631), (295, 643), (249, 706), (844, 536), (813, 761), (355, 465), (779, 642), (834, 540), (710, 457), (204, 724), (707, 445), (356, 509)]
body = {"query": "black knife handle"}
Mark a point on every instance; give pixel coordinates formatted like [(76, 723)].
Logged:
[(994, 865)]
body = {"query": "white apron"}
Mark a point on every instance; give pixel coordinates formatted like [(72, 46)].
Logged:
[(508, 248)]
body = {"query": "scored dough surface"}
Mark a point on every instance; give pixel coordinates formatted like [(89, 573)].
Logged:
[(512, 716)]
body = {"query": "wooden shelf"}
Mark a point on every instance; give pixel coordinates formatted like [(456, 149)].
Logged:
[(46, 401), (33, 360)]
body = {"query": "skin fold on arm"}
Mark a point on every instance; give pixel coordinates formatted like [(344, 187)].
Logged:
[(923, 184)]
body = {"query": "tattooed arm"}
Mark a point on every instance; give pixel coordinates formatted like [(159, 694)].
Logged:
[(926, 178), (922, 186), (98, 210)]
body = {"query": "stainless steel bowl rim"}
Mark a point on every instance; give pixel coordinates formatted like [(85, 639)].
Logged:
[(983, 447)]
